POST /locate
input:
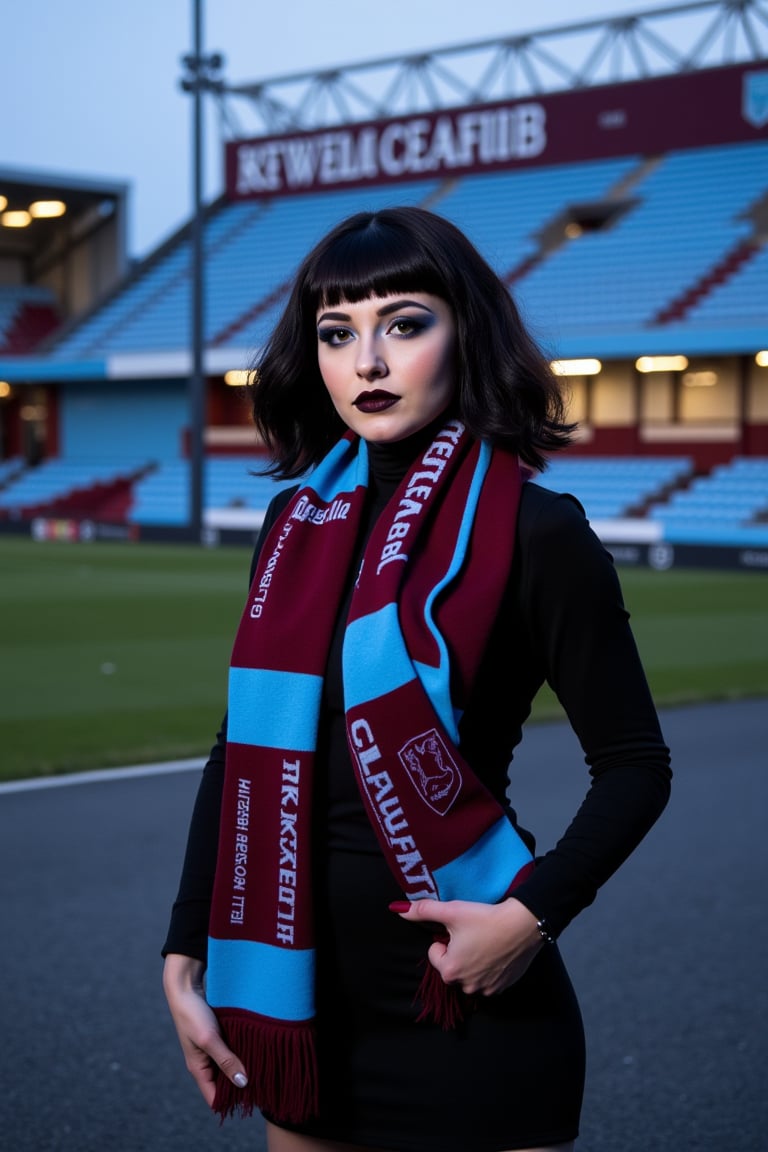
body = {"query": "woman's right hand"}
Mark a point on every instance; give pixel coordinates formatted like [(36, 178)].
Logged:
[(198, 1029)]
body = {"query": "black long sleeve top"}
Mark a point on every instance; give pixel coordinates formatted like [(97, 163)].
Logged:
[(562, 621)]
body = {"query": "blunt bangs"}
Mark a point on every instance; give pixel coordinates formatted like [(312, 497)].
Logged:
[(373, 258)]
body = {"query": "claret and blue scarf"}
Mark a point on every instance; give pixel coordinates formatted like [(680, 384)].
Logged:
[(426, 596)]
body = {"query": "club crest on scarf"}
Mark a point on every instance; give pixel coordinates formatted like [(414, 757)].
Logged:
[(433, 771)]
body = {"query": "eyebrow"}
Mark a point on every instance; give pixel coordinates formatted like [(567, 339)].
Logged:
[(387, 310)]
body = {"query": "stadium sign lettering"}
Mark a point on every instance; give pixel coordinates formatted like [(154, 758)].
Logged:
[(416, 146), (712, 106)]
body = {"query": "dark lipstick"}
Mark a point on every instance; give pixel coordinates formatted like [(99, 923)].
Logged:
[(376, 401)]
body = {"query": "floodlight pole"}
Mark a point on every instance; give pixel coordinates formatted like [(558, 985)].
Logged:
[(201, 77)]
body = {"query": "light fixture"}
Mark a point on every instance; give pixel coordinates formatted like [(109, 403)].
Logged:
[(238, 377), (662, 364), (5, 389), (3, 202), (573, 230), (762, 359), (47, 209), (16, 219), (576, 367), (706, 379)]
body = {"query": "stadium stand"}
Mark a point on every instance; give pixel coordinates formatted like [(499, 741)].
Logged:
[(252, 250), (624, 252), (10, 469), (614, 487), (693, 205), (730, 506), (28, 313), (162, 495), (63, 487), (741, 298)]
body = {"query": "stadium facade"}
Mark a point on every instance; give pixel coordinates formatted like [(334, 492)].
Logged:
[(628, 215)]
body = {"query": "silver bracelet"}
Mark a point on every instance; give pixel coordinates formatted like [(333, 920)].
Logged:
[(545, 931)]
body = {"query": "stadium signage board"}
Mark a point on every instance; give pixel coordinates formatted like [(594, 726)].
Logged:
[(691, 110)]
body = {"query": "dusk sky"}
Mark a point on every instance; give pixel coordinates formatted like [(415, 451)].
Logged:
[(91, 88)]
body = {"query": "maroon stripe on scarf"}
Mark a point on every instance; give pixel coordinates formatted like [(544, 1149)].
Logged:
[(263, 885)]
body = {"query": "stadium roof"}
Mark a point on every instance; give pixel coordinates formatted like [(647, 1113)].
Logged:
[(637, 46)]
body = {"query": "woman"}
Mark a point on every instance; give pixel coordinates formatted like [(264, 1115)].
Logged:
[(382, 970)]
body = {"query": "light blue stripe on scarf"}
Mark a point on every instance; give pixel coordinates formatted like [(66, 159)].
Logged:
[(376, 660), (343, 469), (264, 705), (482, 873), (375, 642), (437, 681), (276, 982)]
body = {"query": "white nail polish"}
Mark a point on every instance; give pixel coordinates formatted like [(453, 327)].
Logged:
[(239, 1079)]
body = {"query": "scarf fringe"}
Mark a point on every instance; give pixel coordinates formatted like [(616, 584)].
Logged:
[(441, 1003), (281, 1062)]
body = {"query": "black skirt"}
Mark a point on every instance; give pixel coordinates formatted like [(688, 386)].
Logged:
[(511, 1076)]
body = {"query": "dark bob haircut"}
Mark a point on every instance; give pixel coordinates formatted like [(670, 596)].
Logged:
[(506, 392)]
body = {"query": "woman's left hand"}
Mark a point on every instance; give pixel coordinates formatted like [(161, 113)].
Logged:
[(489, 946)]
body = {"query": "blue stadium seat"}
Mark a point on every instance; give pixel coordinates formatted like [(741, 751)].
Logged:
[(163, 495), (732, 498), (610, 487), (57, 478), (605, 279)]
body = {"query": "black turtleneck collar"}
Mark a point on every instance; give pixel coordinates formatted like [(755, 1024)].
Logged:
[(389, 462)]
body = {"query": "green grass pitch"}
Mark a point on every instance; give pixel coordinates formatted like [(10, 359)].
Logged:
[(117, 654)]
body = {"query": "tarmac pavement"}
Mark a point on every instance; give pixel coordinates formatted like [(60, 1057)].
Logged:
[(669, 964)]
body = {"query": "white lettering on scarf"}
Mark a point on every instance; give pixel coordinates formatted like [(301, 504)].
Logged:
[(286, 886), (304, 510), (421, 485), (240, 865), (260, 596), (417, 879)]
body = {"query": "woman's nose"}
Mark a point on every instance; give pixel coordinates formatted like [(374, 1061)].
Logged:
[(370, 364)]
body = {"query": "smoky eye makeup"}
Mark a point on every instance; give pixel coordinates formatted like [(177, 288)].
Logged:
[(407, 326), (334, 335), (402, 320)]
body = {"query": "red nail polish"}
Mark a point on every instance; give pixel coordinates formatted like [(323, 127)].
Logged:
[(399, 906)]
